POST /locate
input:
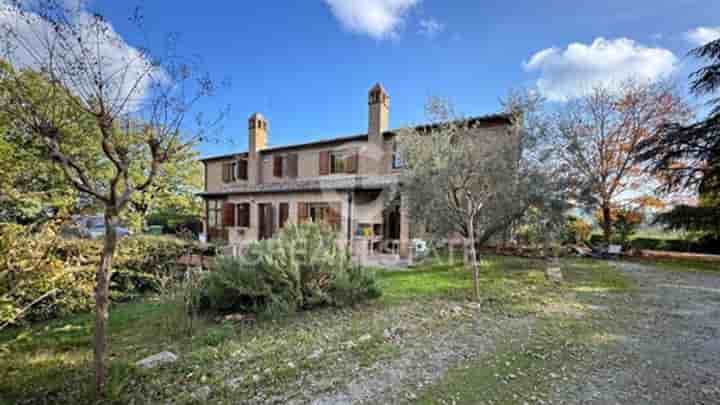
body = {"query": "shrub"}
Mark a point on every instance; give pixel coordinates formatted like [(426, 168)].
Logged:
[(576, 230), (300, 269), (44, 276), (706, 244)]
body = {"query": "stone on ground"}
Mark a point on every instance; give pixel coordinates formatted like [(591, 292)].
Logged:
[(157, 360)]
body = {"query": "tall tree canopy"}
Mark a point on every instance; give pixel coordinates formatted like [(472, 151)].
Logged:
[(687, 157), (108, 116), (598, 137)]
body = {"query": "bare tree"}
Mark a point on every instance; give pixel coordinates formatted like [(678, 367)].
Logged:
[(71, 80), (597, 139)]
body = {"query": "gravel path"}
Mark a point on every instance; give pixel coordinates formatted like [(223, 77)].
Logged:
[(426, 360), (668, 351)]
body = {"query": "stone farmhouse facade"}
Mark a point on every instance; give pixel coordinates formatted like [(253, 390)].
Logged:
[(340, 181)]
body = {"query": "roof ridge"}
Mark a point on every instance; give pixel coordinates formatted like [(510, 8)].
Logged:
[(322, 141)]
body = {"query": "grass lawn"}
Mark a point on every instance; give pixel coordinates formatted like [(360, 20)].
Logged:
[(51, 362), (682, 264)]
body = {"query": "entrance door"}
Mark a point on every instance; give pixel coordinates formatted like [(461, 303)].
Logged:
[(392, 224), (266, 221)]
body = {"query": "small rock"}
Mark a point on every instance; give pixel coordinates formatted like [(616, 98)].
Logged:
[(554, 274), (234, 317), (156, 360), (365, 338), (316, 354), (233, 383), (202, 394)]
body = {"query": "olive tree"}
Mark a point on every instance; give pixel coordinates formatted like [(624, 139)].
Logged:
[(473, 177), (132, 108)]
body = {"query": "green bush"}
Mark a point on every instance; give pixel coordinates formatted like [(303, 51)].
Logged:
[(705, 245), (300, 269), (53, 276)]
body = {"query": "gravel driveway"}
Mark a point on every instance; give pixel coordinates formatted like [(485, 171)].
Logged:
[(668, 350)]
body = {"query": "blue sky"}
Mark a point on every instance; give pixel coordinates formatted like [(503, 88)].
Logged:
[(307, 65)]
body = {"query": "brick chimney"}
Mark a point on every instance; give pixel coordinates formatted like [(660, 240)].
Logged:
[(379, 114), (257, 141)]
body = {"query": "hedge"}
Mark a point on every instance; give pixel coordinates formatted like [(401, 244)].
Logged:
[(59, 273), (707, 245)]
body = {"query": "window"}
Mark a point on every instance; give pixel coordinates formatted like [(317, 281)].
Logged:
[(284, 214), (227, 172), (233, 171), (214, 212), (328, 213), (338, 162), (397, 162), (243, 215), (319, 213), (285, 165), (242, 169), (278, 166)]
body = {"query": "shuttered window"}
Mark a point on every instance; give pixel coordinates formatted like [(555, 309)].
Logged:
[(338, 162), (321, 213), (278, 166), (324, 163), (228, 219), (303, 212), (334, 218), (292, 165), (227, 172), (233, 171), (284, 214), (243, 215), (242, 170), (352, 162), (214, 213)]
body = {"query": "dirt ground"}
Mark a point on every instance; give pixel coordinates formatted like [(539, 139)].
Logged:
[(665, 349), (668, 343)]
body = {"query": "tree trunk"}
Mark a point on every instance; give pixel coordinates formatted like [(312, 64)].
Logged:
[(474, 261), (606, 222), (102, 296)]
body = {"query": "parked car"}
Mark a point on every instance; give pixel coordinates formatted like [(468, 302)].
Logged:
[(90, 227), (94, 228)]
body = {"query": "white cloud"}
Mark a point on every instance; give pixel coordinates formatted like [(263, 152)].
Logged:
[(567, 73), (703, 35), (430, 27), (380, 19), (128, 72)]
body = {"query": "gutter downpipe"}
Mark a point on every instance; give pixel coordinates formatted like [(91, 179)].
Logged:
[(349, 220)]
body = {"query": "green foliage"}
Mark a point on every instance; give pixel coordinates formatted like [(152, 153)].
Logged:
[(625, 222), (300, 269), (44, 276), (217, 336), (706, 245), (703, 218)]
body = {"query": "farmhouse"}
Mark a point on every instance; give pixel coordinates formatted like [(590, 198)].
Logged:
[(339, 181)]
